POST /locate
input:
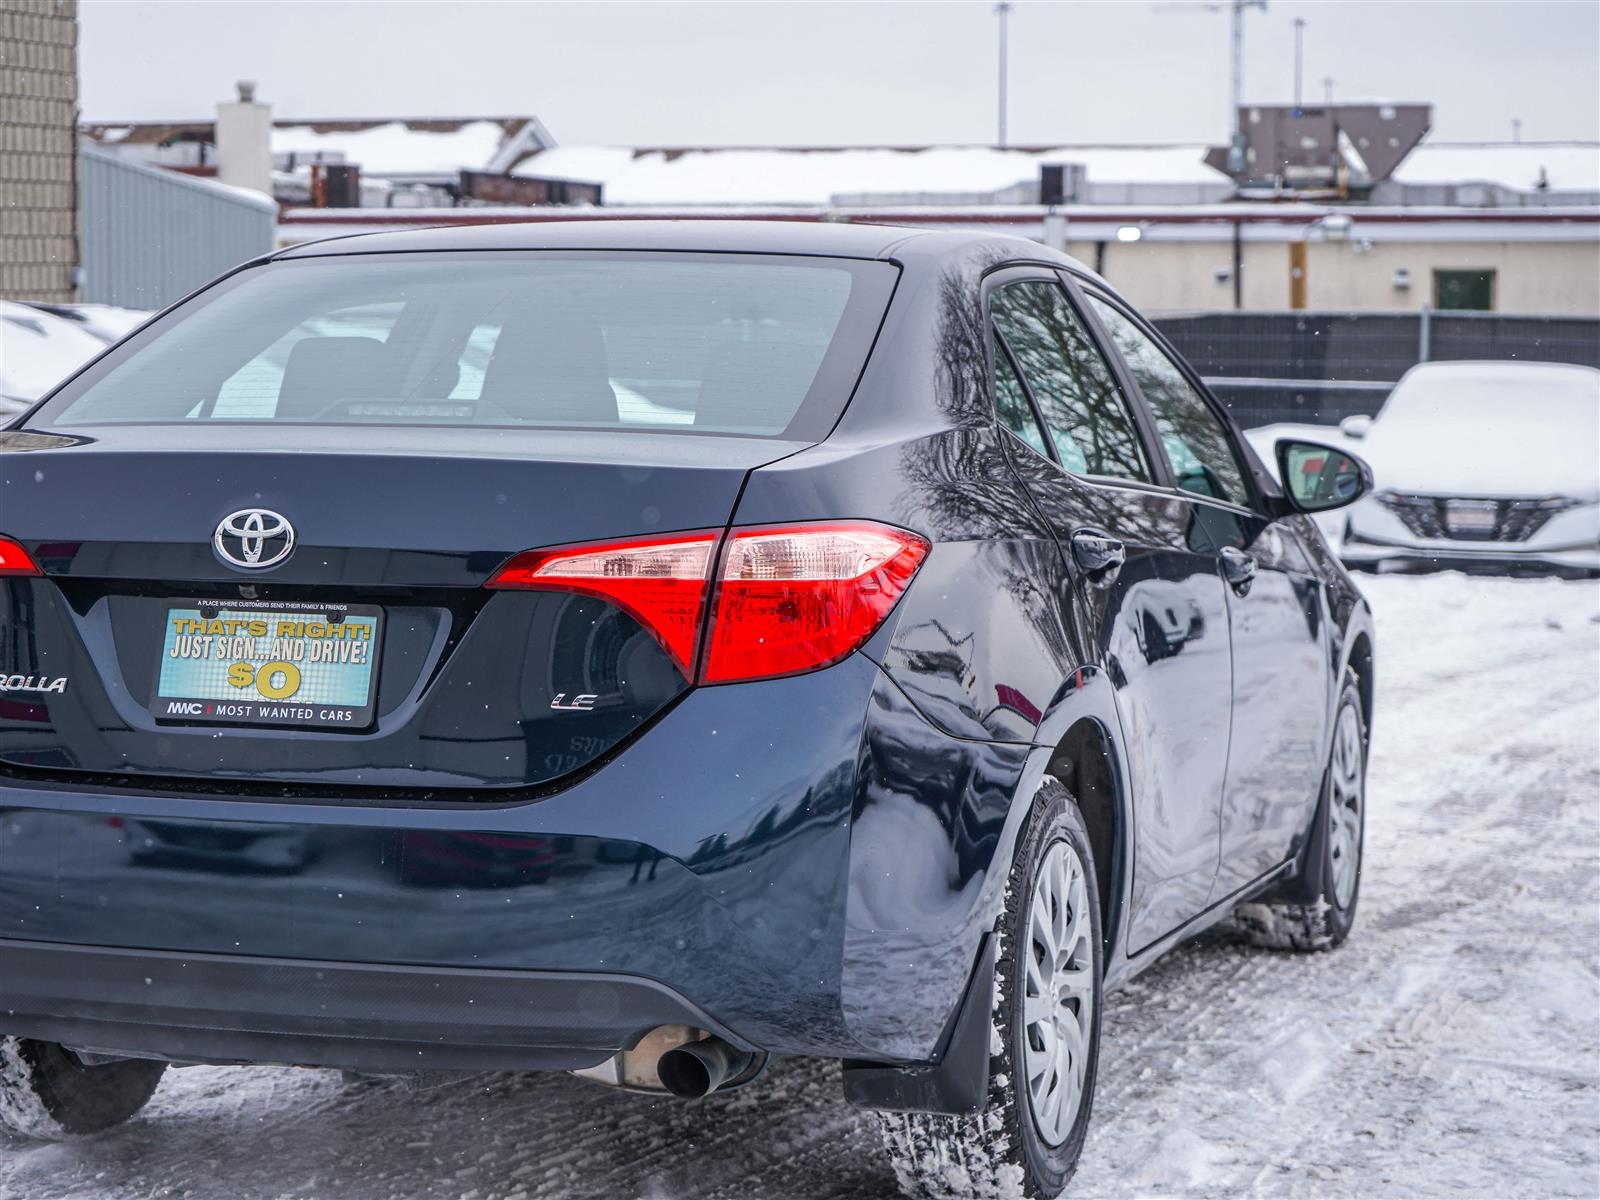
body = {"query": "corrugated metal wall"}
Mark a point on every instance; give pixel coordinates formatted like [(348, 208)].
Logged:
[(151, 236), (1320, 367)]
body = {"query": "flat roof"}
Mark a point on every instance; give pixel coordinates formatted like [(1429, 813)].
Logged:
[(776, 175)]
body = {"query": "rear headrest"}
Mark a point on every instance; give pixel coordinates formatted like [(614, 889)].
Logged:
[(551, 366), (755, 387), (325, 370)]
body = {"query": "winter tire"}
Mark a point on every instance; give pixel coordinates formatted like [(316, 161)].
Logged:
[(1046, 1040), (46, 1093)]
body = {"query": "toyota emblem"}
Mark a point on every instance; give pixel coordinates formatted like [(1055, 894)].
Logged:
[(253, 538)]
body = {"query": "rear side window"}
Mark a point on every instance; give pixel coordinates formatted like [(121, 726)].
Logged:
[(1195, 440), (1090, 424), (761, 345)]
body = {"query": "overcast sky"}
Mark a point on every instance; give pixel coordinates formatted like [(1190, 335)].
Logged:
[(767, 72)]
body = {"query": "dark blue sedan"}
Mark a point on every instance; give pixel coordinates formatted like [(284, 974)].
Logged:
[(643, 649)]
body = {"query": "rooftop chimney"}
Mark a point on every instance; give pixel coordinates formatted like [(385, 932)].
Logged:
[(244, 141)]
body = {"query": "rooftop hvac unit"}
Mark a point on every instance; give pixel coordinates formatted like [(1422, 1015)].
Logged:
[(1061, 183)]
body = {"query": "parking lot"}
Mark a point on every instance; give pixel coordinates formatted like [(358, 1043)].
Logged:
[(1447, 1049)]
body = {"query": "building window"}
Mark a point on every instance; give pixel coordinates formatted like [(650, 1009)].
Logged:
[(1472, 290)]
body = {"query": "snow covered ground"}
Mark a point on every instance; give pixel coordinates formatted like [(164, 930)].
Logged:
[(1452, 1047)]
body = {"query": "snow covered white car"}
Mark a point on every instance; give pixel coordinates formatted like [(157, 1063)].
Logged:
[(38, 349), (1483, 464), (733, 617)]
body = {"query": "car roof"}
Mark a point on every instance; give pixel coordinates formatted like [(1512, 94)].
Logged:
[(751, 236)]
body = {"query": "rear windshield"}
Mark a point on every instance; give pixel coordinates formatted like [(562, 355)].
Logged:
[(758, 345)]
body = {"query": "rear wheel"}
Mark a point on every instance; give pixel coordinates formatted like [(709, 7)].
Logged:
[(47, 1093), (1047, 1031), (1326, 922)]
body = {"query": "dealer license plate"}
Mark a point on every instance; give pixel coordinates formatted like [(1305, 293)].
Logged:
[(1472, 517), (266, 663)]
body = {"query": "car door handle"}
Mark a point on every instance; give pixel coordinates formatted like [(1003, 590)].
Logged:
[(1098, 554), (1238, 568)]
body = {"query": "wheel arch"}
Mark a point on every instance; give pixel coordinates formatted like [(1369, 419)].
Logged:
[(1085, 762), (1079, 741), (1359, 662)]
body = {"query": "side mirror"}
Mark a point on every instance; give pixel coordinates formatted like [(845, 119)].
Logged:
[(1357, 426), (1317, 477)]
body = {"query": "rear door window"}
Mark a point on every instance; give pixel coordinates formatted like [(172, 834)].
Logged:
[(1011, 401), (1090, 423), (1196, 442)]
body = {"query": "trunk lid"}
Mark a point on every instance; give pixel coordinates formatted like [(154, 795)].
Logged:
[(396, 531)]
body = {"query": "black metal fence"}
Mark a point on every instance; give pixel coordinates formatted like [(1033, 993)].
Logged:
[(1323, 366)]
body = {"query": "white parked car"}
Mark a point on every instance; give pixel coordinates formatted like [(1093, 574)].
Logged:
[(1488, 463), (41, 344), (104, 321), (37, 351)]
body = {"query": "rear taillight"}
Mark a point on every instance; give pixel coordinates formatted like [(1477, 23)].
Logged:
[(787, 599), (14, 560), (660, 582), (799, 597)]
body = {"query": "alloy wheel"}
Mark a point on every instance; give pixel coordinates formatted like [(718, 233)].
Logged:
[(1058, 994), (1345, 800)]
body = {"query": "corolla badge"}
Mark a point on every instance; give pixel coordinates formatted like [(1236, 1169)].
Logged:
[(253, 538), (33, 683)]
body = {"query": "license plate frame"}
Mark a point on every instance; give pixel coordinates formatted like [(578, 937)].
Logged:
[(334, 675)]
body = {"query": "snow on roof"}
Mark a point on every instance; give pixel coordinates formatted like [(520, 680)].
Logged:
[(763, 175), (1569, 166), (395, 149), (197, 183), (816, 176), (243, 195)]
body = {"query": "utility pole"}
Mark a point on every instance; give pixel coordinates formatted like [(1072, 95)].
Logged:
[(1236, 140), (1516, 129), (1003, 11), (1236, 145), (1327, 89), (1299, 56)]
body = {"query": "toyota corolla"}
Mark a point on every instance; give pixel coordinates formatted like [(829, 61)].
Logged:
[(642, 650)]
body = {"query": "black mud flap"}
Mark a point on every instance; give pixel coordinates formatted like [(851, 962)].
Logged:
[(958, 1081), (1304, 884)]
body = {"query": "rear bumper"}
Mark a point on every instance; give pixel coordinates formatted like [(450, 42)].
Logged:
[(774, 883), (216, 1008)]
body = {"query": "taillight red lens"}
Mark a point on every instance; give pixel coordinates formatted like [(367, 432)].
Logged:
[(795, 598), (789, 599), (660, 582), (14, 560)]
